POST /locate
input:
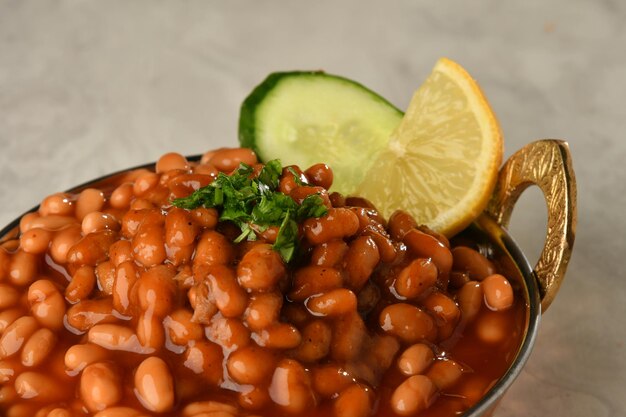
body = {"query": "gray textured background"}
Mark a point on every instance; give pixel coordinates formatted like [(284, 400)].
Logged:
[(91, 87)]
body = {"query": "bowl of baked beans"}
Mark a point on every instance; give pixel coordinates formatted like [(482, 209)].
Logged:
[(115, 301)]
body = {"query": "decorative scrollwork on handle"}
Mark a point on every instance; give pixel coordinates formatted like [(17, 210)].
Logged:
[(547, 164)]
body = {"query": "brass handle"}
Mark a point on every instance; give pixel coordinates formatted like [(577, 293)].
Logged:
[(547, 164)]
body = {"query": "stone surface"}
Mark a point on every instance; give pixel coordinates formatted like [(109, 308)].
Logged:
[(90, 87)]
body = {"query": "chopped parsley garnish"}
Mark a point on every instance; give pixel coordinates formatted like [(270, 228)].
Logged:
[(256, 204)]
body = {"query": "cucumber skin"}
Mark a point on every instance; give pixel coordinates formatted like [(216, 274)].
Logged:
[(247, 114)]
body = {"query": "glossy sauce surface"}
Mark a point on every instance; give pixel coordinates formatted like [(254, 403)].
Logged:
[(137, 308)]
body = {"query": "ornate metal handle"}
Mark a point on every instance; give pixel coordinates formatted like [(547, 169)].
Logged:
[(547, 164)]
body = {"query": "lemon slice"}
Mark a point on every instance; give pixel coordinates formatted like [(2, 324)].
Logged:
[(442, 161)]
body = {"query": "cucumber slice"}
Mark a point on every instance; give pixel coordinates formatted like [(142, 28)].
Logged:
[(304, 118)]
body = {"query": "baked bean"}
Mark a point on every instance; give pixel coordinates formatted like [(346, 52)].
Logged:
[(185, 184), (349, 334), (150, 332), (498, 292), (278, 336), (180, 328), (27, 220), (491, 327), (23, 268), (329, 254), (154, 385), (337, 224), (120, 251), (120, 412), (228, 159), (46, 304), (416, 359), (400, 222), (115, 337), (263, 310), (407, 322), (291, 178), (38, 387), (253, 399), (87, 313), (470, 299), (88, 201), (100, 386), (205, 217), (53, 222), (62, 241), (299, 194), (473, 262), (228, 332), (205, 359), (206, 169), (126, 276), (213, 249), (416, 278), (199, 407), (260, 268), (122, 196), (180, 230), (9, 316), (59, 203), (97, 221), (10, 368), (180, 255), (329, 380), (23, 409), (156, 290), (316, 338), (136, 217), (145, 183), (77, 357), (9, 296), (425, 246), (290, 388), (91, 249), (312, 280), (229, 297), (354, 401), (445, 373), (442, 307), (171, 160), (105, 276), (360, 260), (441, 238), (38, 346), (141, 204), (386, 248), (337, 199), (332, 303), (250, 365), (415, 394), (320, 175), (149, 244), (82, 284), (35, 240)]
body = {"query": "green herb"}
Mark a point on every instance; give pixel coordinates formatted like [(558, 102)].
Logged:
[(256, 204)]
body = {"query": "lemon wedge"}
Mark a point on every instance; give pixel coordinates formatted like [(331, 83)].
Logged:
[(441, 162)]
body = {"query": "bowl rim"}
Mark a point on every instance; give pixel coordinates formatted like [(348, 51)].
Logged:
[(484, 223)]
